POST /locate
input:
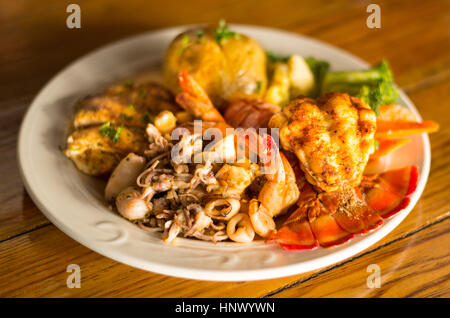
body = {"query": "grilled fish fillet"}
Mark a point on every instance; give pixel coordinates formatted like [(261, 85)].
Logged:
[(332, 137), (97, 154), (130, 105), (125, 108)]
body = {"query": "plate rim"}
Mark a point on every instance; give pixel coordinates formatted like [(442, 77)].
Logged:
[(221, 275)]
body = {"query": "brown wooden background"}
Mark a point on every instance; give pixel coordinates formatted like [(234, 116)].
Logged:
[(35, 43)]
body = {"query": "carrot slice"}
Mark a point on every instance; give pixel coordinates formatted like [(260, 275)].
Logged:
[(394, 112), (387, 129), (398, 121), (386, 146)]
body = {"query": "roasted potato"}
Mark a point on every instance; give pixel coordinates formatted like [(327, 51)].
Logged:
[(278, 91), (300, 76), (226, 64)]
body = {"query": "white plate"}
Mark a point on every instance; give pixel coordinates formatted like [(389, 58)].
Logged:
[(74, 202)]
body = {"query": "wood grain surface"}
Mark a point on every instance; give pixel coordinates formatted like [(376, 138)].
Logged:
[(36, 44)]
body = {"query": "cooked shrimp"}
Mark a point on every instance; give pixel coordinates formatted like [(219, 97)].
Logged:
[(278, 194), (195, 100), (281, 190)]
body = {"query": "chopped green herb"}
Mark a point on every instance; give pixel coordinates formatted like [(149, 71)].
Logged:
[(142, 93), (273, 58), (377, 145), (131, 106), (184, 43), (223, 32), (126, 117), (200, 33), (116, 137), (258, 86), (107, 130), (145, 118), (128, 83)]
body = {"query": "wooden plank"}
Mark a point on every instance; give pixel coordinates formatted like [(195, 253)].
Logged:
[(35, 39), (34, 265), (416, 266), (18, 213), (36, 44), (414, 37), (43, 256)]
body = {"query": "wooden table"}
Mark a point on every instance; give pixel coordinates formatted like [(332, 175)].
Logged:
[(35, 44)]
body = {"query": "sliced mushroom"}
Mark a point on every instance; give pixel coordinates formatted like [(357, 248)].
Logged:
[(124, 175)]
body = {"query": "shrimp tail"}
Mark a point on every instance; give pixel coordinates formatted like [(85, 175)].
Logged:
[(194, 99)]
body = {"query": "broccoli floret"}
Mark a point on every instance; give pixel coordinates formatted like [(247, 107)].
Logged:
[(319, 70), (375, 86), (273, 58)]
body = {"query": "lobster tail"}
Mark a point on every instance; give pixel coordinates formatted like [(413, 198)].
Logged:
[(387, 193), (332, 218)]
